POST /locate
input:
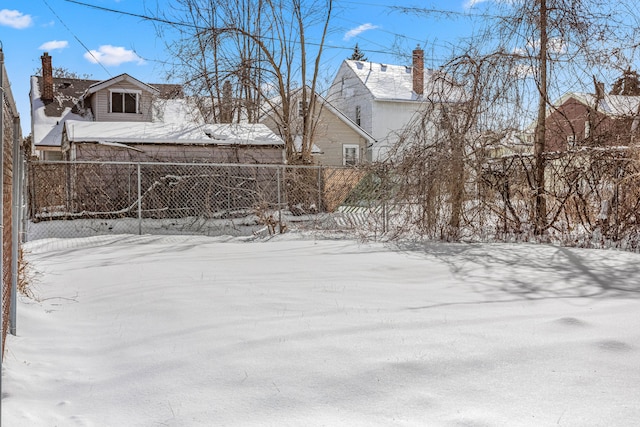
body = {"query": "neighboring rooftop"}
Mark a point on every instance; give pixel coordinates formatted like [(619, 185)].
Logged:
[(396, 82), (48, 117), (174, 133), (613, 105)]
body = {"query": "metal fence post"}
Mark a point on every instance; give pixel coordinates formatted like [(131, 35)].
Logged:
[(279, 186), (139, 200), (319, 188), (15, 224)]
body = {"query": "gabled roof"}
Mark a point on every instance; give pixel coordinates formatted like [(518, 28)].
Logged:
[(364, 134), (48, 117), (324, 103), (611, 105), (117, 79), (170, 133), (395, 82)]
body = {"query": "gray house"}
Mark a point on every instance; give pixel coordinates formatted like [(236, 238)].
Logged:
[(125, 119)]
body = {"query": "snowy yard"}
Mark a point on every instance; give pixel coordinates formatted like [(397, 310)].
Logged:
[(298, 331)]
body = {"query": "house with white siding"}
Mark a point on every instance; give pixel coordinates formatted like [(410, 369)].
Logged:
[(383, 98)]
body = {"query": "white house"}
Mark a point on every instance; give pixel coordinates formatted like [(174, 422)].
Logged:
[(382, 98)]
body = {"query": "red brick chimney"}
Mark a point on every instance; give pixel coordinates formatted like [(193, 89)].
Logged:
[(418, 71), (47, 78)]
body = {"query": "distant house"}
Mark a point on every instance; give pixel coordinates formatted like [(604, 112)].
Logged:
[(593, 120), (123, 118), (337, 140), (382, 98)]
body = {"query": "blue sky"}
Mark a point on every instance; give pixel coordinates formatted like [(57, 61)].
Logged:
[(129, 44), (76, 35)]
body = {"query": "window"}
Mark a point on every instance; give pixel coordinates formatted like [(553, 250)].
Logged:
[(587, 129), (124, 102), (301, 109), (350, 154), (571, 139), (358, 115)]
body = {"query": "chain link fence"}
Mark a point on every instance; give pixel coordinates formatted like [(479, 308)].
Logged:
[(11, 162), (591, 195), (76, 199)]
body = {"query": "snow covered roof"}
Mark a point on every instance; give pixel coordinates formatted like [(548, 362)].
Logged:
[(117, 79), (48, 119), (170, 133), (395, 82), (613, 105)]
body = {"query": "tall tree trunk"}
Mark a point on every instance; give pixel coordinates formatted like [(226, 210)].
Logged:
[(540, 215)]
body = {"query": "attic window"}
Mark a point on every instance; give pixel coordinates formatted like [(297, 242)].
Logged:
[(123, 101), (301, 108), (383, 67)]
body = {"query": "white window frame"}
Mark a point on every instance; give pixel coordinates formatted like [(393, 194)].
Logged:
[(301, 109), (356, 149), (135, 92), (571, 140)]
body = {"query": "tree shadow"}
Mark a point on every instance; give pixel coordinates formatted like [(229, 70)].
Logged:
[(505, 272)]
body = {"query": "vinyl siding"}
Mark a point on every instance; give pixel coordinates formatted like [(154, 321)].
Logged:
[(101, 109), (330, 136)]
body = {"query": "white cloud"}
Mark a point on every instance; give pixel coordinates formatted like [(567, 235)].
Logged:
[(54, 44), (112, 56), (555, 45), (468, 4), (521, 71), (15, 19), (359, 30)]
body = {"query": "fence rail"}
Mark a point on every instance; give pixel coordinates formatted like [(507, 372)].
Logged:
[(592, 199), (86, 198)]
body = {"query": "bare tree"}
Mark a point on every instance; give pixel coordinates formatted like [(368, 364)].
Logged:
[(262, 48), (540, 50)]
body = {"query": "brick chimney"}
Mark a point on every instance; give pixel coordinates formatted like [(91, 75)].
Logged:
[(599, 90), (418, 71), (47, 78)]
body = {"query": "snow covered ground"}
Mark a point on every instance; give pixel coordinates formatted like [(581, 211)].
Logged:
[(303, 331)]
